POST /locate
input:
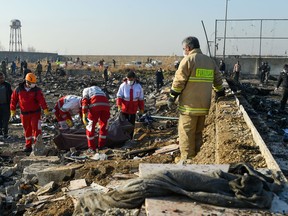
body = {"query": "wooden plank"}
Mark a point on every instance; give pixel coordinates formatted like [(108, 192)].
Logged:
[(166, 149)]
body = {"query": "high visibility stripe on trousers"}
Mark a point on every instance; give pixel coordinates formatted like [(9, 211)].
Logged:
[(102, 117), (32, 127)]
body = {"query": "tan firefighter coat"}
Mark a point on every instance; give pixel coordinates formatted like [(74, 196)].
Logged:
[(197, 74)]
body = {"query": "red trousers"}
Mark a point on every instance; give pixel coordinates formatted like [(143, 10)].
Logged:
[(32, 127), (95, 116)]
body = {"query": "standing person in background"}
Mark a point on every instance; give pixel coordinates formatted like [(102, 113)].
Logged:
[(159, 78), (13, 68), (236, 71), (283, 79), (21, 67), (39, 70), (95, 107), (114, 63), (4, 68), (197, 74), (105, 75), (5, 98), (130, 98), (26, 70), (262, 70), (222, 67), (30, 99), (267, 73), (49, 69)]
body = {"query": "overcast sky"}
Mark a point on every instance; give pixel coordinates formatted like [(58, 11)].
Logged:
[(124, 27)]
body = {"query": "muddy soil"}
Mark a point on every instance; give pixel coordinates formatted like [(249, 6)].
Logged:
[(226, 140)]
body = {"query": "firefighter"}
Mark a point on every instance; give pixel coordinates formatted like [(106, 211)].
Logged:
[(30, 99), (95, 107), (130, 98), (65, 108), (193, 82)]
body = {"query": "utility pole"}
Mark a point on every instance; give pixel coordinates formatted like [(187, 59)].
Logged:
[(224, 45)]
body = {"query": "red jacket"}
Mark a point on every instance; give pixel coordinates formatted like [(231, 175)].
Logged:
[(67, 106), (94, 99), (130, 98), (29, 101)]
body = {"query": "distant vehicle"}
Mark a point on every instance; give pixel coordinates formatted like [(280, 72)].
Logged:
[(153, 64), (134, 64), (156, 62)]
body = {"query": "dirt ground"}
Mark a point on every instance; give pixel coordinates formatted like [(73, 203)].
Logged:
[(227, 140)]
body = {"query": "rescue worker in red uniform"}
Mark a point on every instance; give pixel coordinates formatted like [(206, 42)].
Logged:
[(66, 107), (95, 107), (130, 98), (30, 99)]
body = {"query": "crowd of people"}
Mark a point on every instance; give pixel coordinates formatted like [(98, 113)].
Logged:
[(93, 108), (195, 78)]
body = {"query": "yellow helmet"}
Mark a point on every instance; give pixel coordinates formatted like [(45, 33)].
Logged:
[(30, 77)]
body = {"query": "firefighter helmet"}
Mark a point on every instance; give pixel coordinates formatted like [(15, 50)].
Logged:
[(30, 77)]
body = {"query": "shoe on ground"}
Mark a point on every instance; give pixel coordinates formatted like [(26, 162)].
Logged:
[(28, 150), (90, 151)]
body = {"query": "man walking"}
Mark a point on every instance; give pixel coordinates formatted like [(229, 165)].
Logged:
[(30, 99), (49, 69), (39, 70), (5, 97), (193, 82)]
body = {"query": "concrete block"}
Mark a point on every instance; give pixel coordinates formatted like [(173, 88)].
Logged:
[(46, 188), (146, 169), (27, 161), (77, 184), (56, 174), (30, 171)]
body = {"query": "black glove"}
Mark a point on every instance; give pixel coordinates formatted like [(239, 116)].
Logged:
[(171, 103), (220, 93)]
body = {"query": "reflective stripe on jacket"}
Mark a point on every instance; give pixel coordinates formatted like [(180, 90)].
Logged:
[(29, 101), (197, 74), (68, 106), (130, 98), (94, 98)]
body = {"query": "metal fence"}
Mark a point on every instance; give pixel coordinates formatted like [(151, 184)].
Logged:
[(253, 37)]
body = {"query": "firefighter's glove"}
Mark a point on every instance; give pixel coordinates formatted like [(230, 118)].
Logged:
[(119, 108), (141, 112), (220, 93), (85, 119), (171, 103), (69, 122), (46, 112), (12, 114)]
